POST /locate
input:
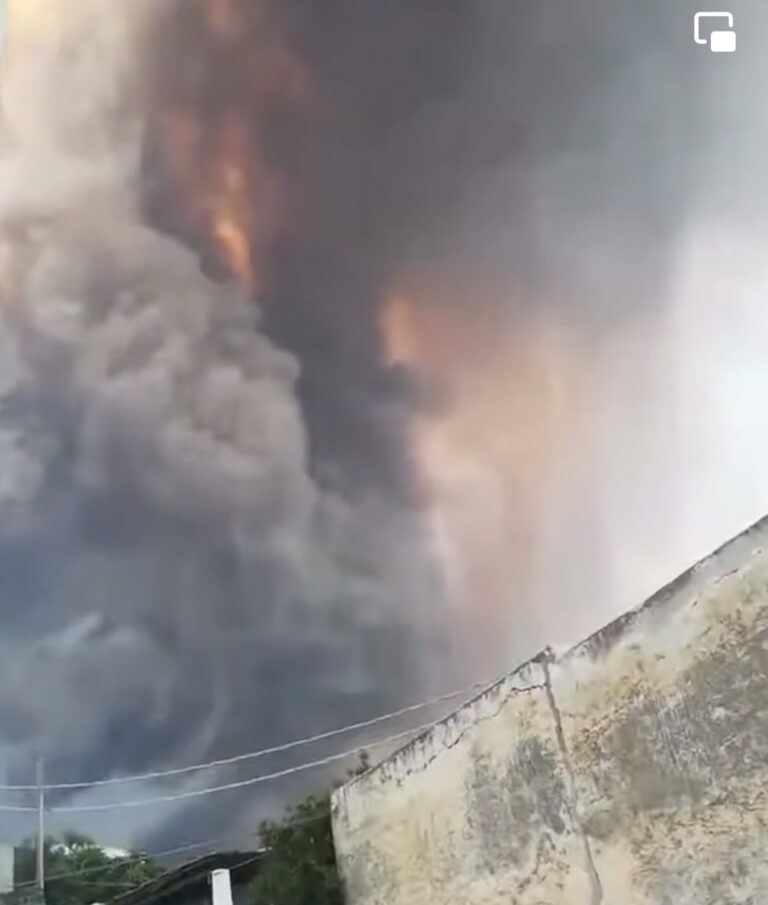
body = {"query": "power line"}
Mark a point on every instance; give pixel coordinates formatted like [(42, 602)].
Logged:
[(252, 755), (180, 849), (81, 873), (144, 856), (200, 873), (120, 862), (88, 870), (196, 793), (256, 780), (122, 883), (285, 824)]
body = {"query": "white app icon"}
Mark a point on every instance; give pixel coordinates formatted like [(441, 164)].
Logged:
[(719, 41)]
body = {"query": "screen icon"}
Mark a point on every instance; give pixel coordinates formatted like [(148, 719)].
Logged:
[(719, 41)]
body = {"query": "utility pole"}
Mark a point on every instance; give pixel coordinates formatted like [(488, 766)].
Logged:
[(40, 781)]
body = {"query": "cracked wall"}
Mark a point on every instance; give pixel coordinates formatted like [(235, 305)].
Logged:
[(633, 769)]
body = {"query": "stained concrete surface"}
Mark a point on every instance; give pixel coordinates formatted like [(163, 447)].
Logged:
[(633, 769)]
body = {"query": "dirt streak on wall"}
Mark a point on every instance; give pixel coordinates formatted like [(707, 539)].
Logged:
[(633, 769)]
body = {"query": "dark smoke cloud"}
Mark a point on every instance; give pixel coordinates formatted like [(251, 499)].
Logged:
[(509, 163), (210, 537), (479, 136), (175, 585)]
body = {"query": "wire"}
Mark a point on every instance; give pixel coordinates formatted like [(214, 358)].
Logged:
[(119, 862), (52, 878), (123, 883), (237, 866), (252, 755), (166, 853), (193, 845), (196, 793), (267, 777), (173, 851), (143, 856)]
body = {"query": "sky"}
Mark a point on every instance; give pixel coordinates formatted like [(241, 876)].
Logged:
[(341, 364)]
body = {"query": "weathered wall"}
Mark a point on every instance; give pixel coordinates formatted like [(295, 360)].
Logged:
[(632, 770)]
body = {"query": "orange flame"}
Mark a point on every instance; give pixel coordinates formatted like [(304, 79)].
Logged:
[(231, 201), (227, 201), (212, 180)]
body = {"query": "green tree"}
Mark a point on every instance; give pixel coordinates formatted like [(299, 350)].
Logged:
[(80, 872), (299, 864), (299, 867)]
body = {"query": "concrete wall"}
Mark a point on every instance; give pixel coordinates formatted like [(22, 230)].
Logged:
[(634, 769)]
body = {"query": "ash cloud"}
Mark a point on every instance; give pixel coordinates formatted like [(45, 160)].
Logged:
[(507, 166), (210, 526), (174, 583), (487, 139)]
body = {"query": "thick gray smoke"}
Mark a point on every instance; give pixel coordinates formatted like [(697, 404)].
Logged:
[(175, 586), (574, 189), (538, 180), (214, 528)]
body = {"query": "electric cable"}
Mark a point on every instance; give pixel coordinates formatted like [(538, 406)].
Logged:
[(252, 755)]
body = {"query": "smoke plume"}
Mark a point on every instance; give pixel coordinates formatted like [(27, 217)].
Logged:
[(175, 583), (352, 347)]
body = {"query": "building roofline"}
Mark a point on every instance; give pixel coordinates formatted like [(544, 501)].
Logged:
[(241, 864)]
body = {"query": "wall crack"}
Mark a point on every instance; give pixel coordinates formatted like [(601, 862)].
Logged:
[(596, 885)]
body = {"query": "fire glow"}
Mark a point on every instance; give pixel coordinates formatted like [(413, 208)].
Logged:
[(212, 177), (208, 131), (484, 457)]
